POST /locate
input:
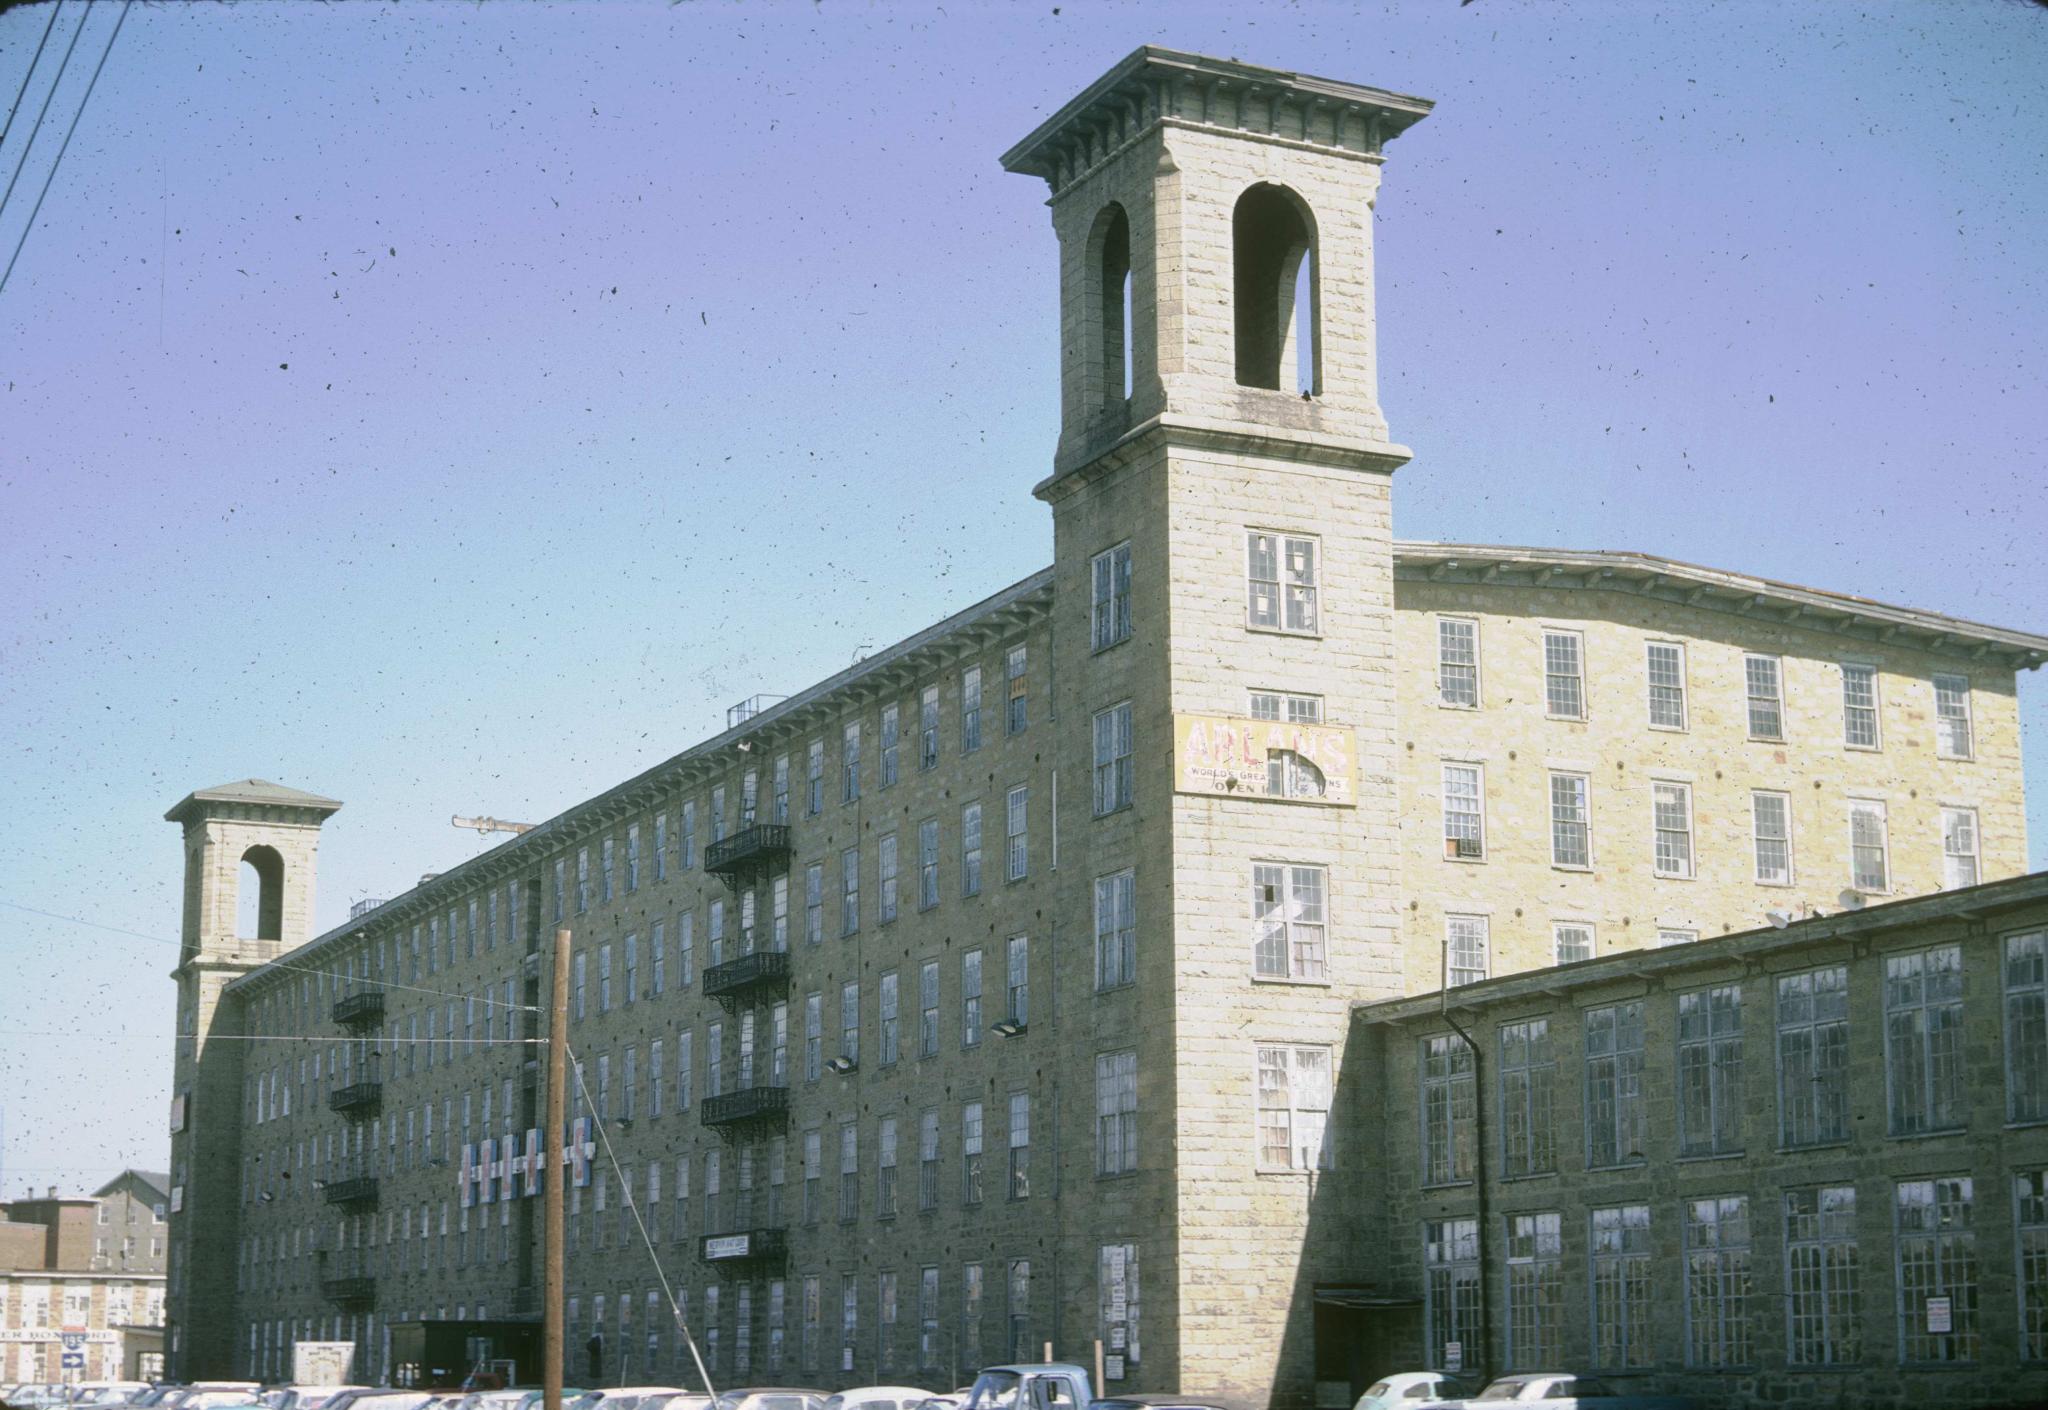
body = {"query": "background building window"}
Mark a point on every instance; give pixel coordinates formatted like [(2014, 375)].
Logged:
[(1717, 1278), (1665, 665), (1110, 607), (1771, 830), (1290, 921), (1457, 662), (1615, 1127), (1923, 1040), (1822, 1318), (1859, 706), (1621, 1287), (1564, 680), (1293, 1108), (1937, 1253), (1465, 949), (1952, 716), (1710, 1092), (1571, 830), (1535, 1260), (1813, 1057)]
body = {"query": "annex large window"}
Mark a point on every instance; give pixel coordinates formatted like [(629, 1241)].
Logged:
[(1293, 1108), (1274, 266), (2026, 1029)]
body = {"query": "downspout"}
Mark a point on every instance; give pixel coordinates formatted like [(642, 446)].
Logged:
[(1484, 1360)]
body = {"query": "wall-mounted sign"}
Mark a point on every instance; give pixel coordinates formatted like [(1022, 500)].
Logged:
[(728, 1246), (177, 1113), (1233, 757)]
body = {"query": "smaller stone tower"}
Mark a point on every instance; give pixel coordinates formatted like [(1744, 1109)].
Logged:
[(276, 831)]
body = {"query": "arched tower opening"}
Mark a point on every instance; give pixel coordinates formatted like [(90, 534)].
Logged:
[(1109, 263), (259, 910), (1274, 265)]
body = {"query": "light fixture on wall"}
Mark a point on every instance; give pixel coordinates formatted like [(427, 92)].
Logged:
[(843, 1065), (1010, 1028)]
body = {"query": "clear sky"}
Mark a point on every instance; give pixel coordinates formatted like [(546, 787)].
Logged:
[(452, 408)]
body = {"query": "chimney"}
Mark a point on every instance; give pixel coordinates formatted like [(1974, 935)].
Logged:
[(53, 1192)]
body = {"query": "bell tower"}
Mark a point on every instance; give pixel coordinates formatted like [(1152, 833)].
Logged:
[(1223, 616), (275, 831)]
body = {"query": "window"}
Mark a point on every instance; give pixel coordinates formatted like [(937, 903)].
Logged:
[(1446, 1109), (814, 1036), (1923, 1040), (781, 787), (714, 1060), (1717, 1280), (1293, 1108), (1535, 1290), (2030, 1205), (715, 939), (718, 813), (778, 914), (1457, 662), (928, 1318), (849, 891), (1770, 816), (849, 1172), (970, 849), (891, 1025), (849, 762), (1275, 271), (1116, 930), (1289, 921), (1017, 979), (1813, 1057), (970, 1314), (1621, 1287), (1952, 716), (970, 1153), (1528, 1082), (927, 864), (1279, 705), (970, 709), (1464, 813), (582, 880), (886, 907), (658, 943), (1869, 846), (687, 843), (1268, 557), (1859, 706), (928, 1009), (1573, 941), (1671, 806), (1937, 1253), (928, 727), (1020, 1145), (1020, 1309), (1465, 946), (605, 853), (1110, 613), (1016, 818), (1564, 680), (885, 1169), (2026, 1029), (686, 950), (581, 974), (1615, 1126), (632, 968), (1113, 763), (970, 999), (1958, 848), (814, 779), (1665, 666), (1710, 1093), (684, 1065), (1116, 1113), (814, 903), (1821, 1313), (750, 798), (928, 1158), (1016, 714), (891, 732), (814, 1165), (1571, 824), (849, 1020)]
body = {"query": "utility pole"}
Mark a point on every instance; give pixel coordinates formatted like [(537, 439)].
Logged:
[(552, 1280)]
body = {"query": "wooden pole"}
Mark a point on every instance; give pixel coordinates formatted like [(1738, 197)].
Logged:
[(554, 1172), (1101, 1386)]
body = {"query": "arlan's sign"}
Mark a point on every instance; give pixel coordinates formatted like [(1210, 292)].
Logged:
[(1240, 758)]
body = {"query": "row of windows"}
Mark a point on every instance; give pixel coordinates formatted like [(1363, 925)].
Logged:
[(1671, 831), (1665, 689), (1925, 1082), (1727, 1293)]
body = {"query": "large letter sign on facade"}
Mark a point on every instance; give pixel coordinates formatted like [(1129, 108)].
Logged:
[(1272, 759)]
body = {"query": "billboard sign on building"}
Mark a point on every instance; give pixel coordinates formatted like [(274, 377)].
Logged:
[(322, 1363), (1234, 757)]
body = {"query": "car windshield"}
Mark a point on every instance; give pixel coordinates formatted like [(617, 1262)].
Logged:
[(1503, 1390), (995, 1390)]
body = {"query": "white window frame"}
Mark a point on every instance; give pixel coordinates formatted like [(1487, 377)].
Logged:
[(1284, 585), (1109, 603), (1577, 675), (1650, 686), (1750, 697), (1584, 823), (1871, 807), (1478, 928), (1017, 833), (1116, 1113), (1946, 722), (1115, 773), (1454, 844), (1297, 1111), (1116, 929), (1757, 838), (1953, 857), (2023, 1004), (1300, 922), (1558, 929), (1875, 707), (1284, 706), (1690, 870), (1444, 662)]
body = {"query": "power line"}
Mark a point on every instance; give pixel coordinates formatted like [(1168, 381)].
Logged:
[(55, 84), (11, 111), (91, 84)]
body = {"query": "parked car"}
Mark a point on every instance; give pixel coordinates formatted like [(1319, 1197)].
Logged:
[(1166, 1402), (1047, 1385), (305, 1397), (618, 1397), (106, 1392), (774, 1398), (679, 1400), (879, 1398), (1409, 1388), (946, 1400), (374, 1399), (1559, 1390)]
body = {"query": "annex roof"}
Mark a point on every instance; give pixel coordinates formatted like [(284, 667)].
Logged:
[(256, 791)]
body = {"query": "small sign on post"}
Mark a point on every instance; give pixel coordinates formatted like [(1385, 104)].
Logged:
[(1940, 1316), (1454, 1356)]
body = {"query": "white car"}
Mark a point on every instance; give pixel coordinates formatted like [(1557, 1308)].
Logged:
[(621, 1397), (1412, 1388), (879, 1398)]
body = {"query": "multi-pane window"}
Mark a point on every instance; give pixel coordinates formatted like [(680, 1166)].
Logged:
[(1859, 706), (885, 905), (892, 735), (1016, 711), (1813, 1057), (582, 882), (1290, 921), (1020, 1309), (1020, 1145), (814, 1176), (849, 762), (1665, 668), (780, 802), (778, 913), (1764, 693), (1457, 662), (604, 979), (2030, 1256), (1280, 582), (1280, 705), (970, 849), (1870, 867), (1017, 979), (714, 1060), (849, 1020), (970, 1314), (1822, 1319), (1573, 941), (1116, 1113), (1710, 1099), (1923, 1040), (1114, 773), (849, 1172), (1535, 1258), (1937, 1253), (928, 1009), (1450, 1287), (1446, 1109), (632, 868), (928, 1318), (1770, 818), (814, 779), (685, 1068), (1528, 1093), (1952, 716), (1958, 848), (890, 1020), (849, 891), (1110, 603), (1464, 813), (970, 999), (1293, 1108), (928, 1158), (885, 1169), (1465, 947), (750, 798), (718, 813), (1615, 1120), (1564, 675), (928, 727), (970, 709), (970, 1153), (1717, 1281), (1620, 1252), (2026, 1028), (814, 903), (686, 844), (1016, 830), (1671, 808), (1571, 822)]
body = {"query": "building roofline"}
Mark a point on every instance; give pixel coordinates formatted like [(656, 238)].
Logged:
[(250, 792), (1991, 899), (1713, 588)]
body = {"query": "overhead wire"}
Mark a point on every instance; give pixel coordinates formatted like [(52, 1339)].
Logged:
[(15, 107), (55, 83)]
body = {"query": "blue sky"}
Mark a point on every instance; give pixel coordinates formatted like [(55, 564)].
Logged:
[(453, 408)]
